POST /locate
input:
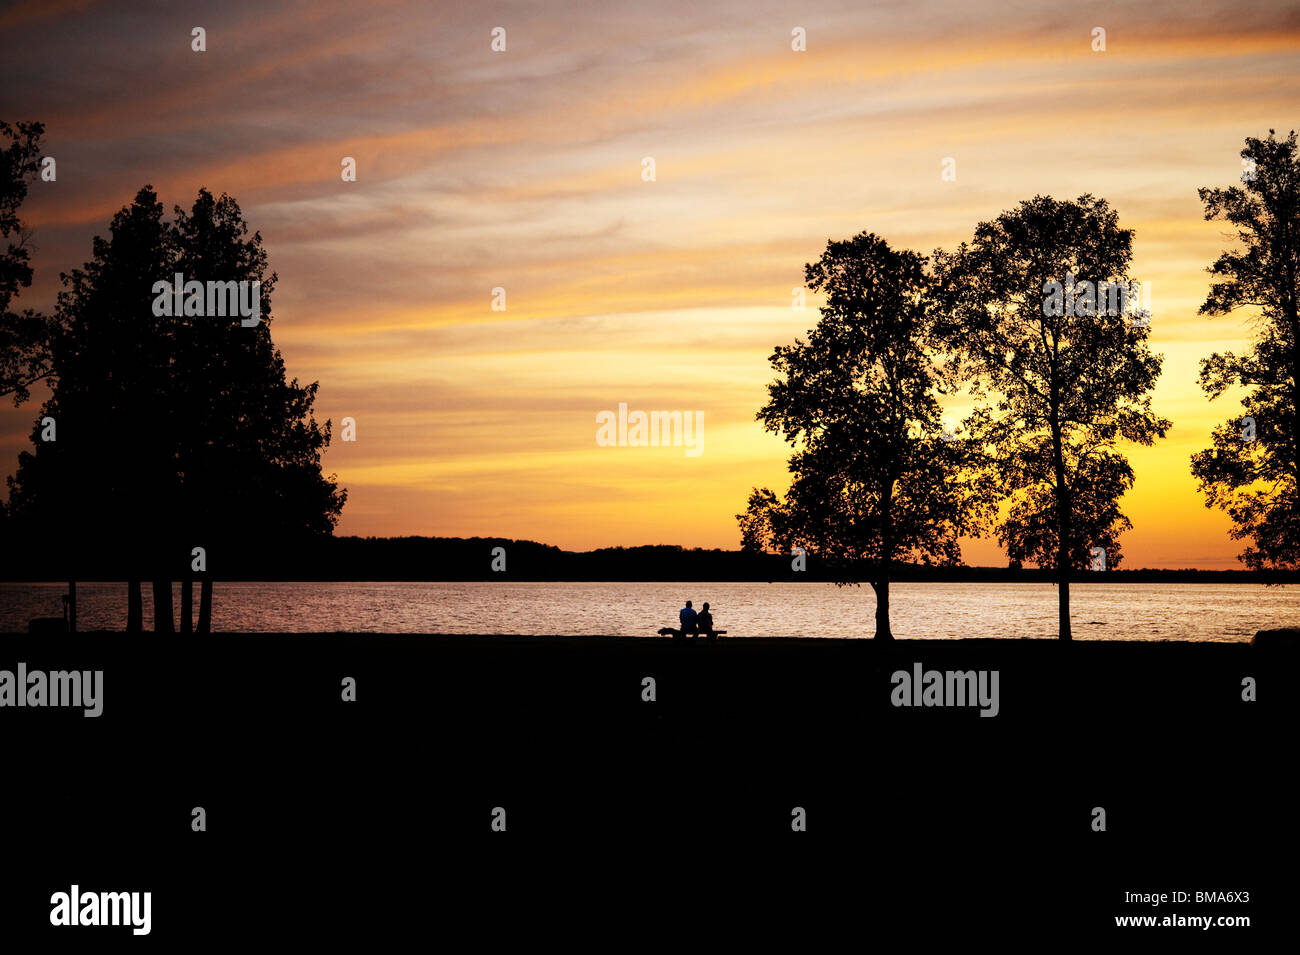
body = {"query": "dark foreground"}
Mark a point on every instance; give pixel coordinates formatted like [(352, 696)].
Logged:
[(627, 820)]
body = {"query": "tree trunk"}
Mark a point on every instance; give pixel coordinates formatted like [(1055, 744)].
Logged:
[(187, 604), (205, 605), (134, 607), (1064, 528), (72, 606), (1064, 531), (1063, 607), (162, 607), (881, 587)]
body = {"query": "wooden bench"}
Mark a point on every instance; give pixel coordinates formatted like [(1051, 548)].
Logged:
[(678, 635)]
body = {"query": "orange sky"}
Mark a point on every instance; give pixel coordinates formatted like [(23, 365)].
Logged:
[(522, 170)]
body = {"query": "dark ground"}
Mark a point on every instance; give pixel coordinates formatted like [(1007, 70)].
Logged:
[(629, 821)]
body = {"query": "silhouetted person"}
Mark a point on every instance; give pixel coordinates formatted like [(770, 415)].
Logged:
[(687, 616), (704, 622)]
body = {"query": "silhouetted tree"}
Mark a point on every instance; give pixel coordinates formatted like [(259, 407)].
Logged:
[(1060, 379), (181, 431), (874, 480), (249, 446), (24, 336), (1251, 470), (92, 494)]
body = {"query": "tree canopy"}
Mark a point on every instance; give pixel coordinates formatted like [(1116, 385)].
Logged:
[(1251, 468), (25, 335), (874, 480), (1060, 375), (173, 431)]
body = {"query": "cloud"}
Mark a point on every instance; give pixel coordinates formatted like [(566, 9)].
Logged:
[(523, 170)]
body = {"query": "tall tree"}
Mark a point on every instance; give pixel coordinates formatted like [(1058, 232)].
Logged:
[(90, 496), (874, 480), (24, 336), (210, 446), (249, 447), (1252, 469), (1061, 373)]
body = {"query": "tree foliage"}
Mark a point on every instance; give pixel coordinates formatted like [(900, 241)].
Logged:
[(874, 480), (1250, 470), (25, 335), (1057, 389), (173, 431)]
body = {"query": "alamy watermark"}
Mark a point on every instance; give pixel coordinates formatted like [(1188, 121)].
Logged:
[(181, 298), (654, 429), (1085, 299), (83, 688), (946, 688), (75, 907)]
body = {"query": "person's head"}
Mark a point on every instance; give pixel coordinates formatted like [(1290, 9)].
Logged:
[(706, 605), (688, 605)]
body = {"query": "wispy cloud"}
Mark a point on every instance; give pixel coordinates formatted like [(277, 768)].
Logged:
[(523, 169)]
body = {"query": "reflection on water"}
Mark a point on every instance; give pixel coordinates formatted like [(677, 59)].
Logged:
[(942, 610)]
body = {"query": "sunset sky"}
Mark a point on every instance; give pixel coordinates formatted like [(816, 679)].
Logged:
[(523, 170)]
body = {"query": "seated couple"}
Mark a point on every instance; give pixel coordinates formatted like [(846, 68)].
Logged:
[(697, 623)]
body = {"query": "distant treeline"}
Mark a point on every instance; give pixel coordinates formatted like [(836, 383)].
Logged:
[(458, 558)]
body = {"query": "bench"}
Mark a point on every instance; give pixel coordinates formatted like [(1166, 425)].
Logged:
[(677, 634)]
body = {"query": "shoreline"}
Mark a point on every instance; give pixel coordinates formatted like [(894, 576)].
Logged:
[(562, 639), (980, 575)]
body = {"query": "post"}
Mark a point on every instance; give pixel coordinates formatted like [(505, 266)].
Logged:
[(187, 603), (134, 607), (205, 604), (162, 607)]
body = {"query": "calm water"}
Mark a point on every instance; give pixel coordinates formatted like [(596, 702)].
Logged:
[(939, 610)]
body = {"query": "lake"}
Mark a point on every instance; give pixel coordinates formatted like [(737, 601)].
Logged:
[(1131, 611)]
